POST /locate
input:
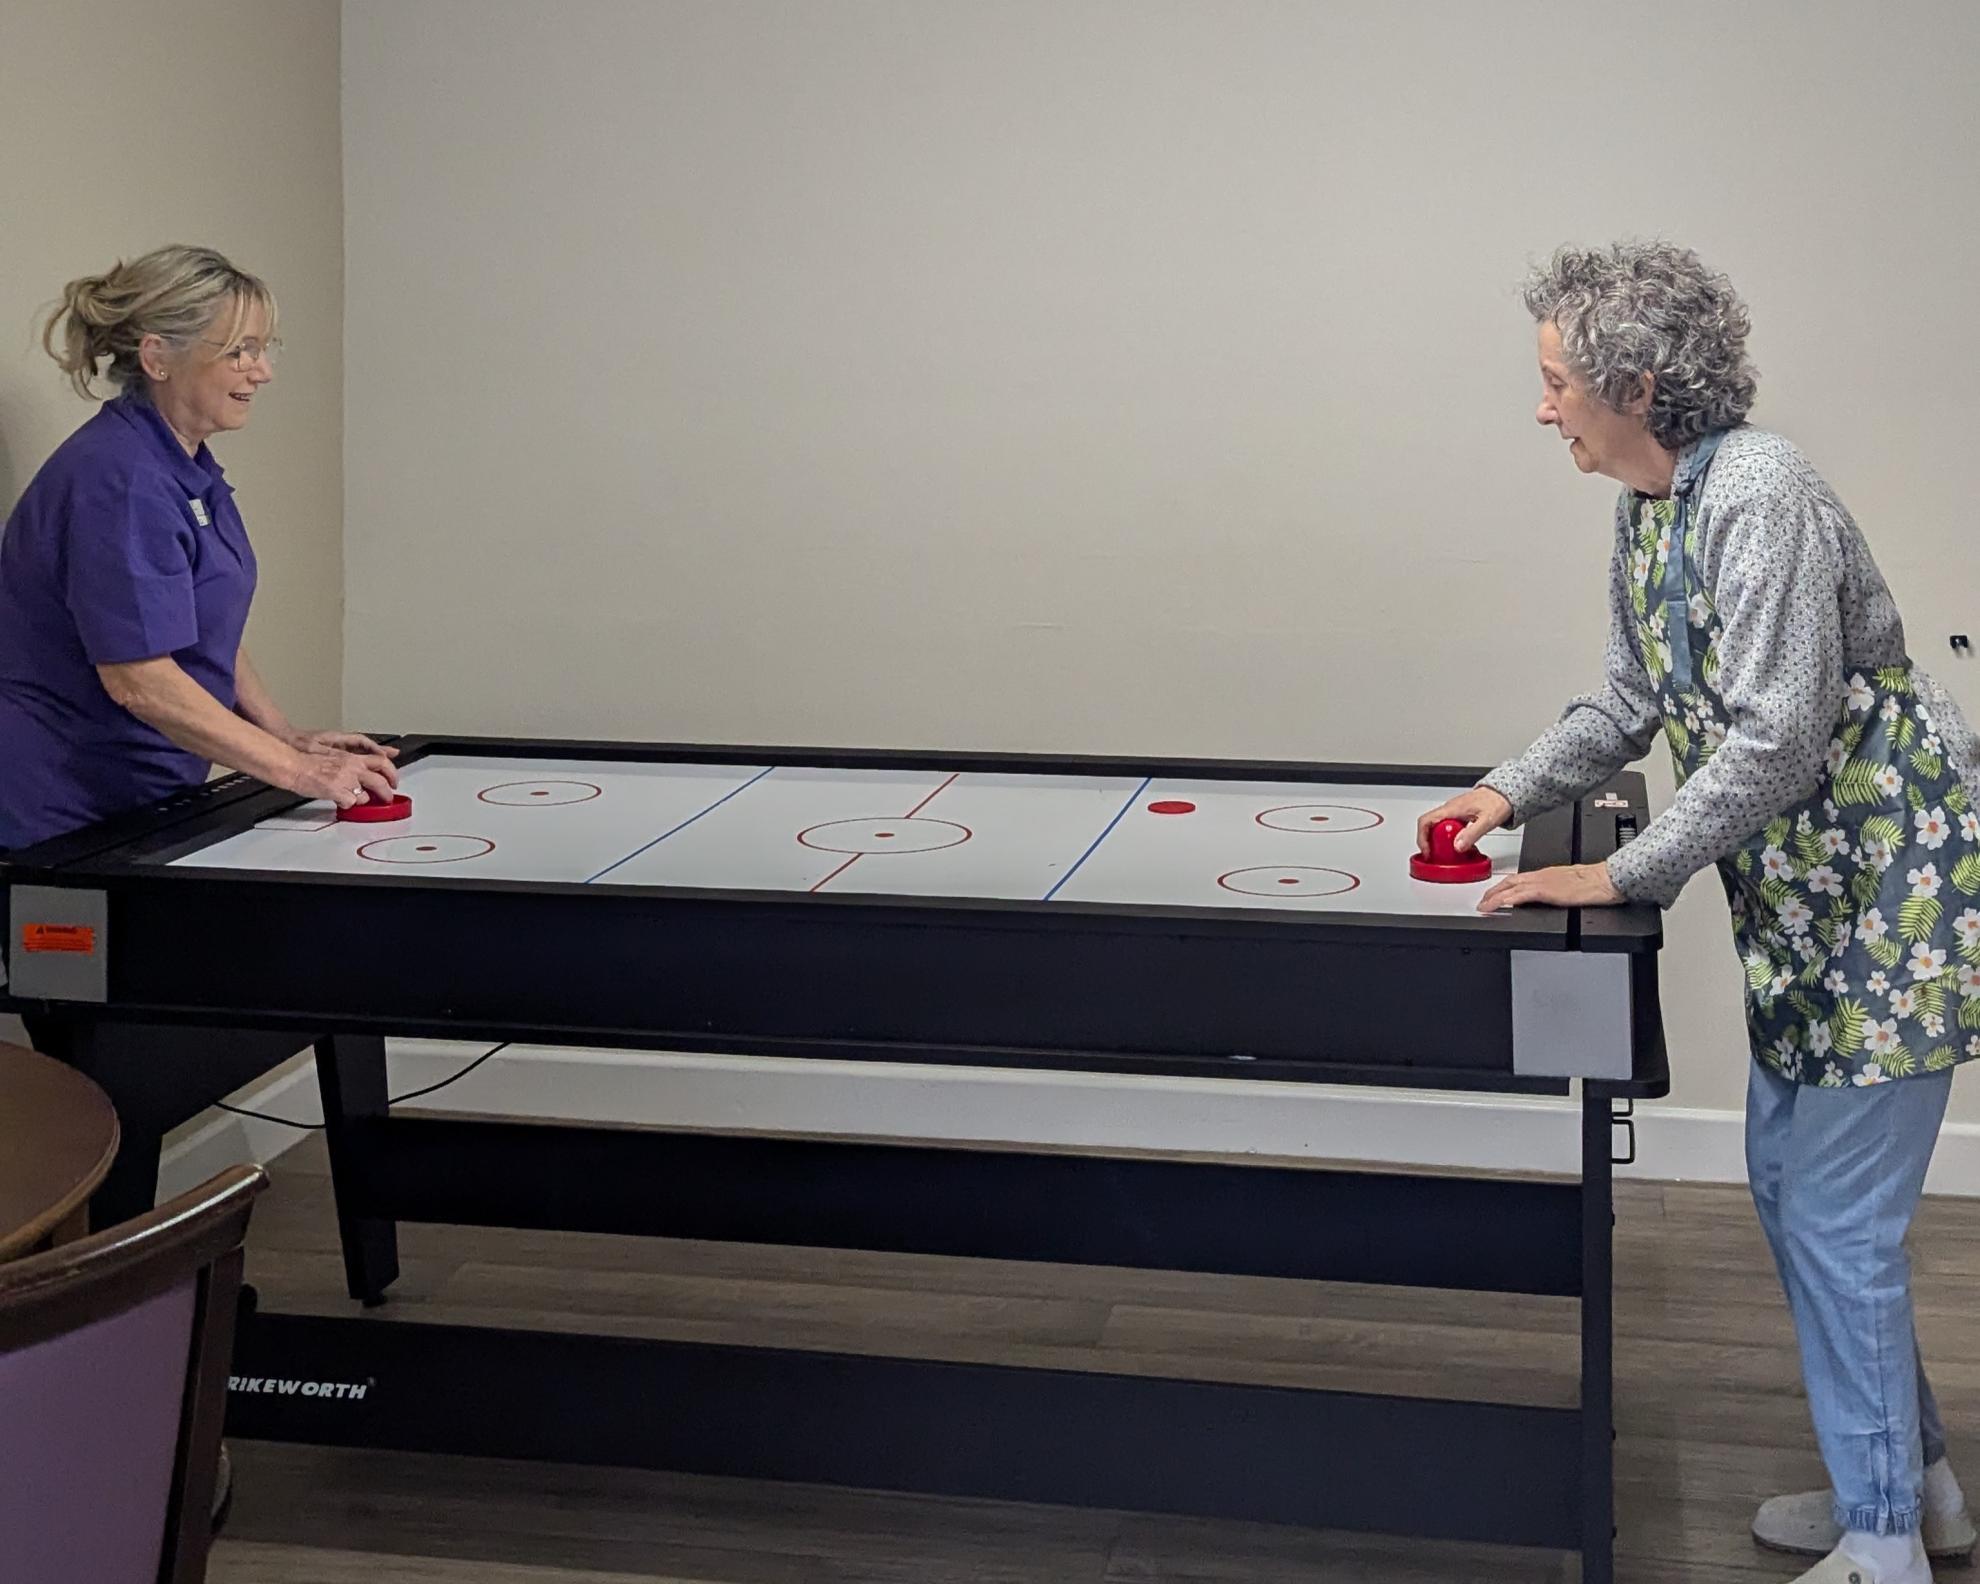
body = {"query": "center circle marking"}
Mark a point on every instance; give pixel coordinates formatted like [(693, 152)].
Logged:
[(885, 835)]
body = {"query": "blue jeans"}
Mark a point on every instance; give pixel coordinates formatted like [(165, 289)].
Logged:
[(1836, 1175)]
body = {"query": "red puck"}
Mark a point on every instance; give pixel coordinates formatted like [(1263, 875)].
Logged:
[(1173, 806), (368, 813)]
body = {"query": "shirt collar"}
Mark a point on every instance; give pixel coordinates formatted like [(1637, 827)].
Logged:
[(197, 473), (1694, 459)]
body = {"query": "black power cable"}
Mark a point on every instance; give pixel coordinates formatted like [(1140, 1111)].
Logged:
[(317, 1127)]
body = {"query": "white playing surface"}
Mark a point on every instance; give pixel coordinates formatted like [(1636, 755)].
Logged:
[(1307, 847)]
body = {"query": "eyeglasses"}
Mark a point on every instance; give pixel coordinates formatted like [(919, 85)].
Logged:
[(243, 355)]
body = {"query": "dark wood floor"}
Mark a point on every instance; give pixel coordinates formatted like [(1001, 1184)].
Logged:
[(1708, 1405)]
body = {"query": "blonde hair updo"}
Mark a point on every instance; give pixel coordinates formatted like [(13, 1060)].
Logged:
[(175, 293)]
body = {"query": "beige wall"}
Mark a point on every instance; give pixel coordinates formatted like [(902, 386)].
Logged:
[(1117, 377), (127, 124)]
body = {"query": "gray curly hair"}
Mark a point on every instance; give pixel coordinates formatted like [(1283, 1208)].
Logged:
[(1636, 308)]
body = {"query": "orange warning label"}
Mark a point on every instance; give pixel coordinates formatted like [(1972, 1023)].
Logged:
[(79, 939)]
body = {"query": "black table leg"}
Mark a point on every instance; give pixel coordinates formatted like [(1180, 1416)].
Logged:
[(156, 1078), (1598, 1452), (350, 1070)]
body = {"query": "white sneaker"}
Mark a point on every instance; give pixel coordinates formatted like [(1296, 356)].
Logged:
[(1805, 1525), (1839, 1567)]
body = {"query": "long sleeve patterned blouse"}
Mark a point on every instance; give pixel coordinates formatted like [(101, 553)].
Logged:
[(1803, 608)]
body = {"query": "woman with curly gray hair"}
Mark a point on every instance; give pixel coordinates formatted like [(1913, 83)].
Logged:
[(1836, 788)]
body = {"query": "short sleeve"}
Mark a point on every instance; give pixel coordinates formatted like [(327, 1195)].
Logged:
[(128, 576)]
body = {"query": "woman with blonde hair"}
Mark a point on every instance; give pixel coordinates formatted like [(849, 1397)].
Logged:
[(126, 572), (125, 580)]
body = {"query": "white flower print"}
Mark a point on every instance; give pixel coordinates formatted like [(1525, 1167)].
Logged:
[(1832, 1077), (1776, 863), (1837, 982), (1869, 1076), (1664, 548), (1932, 1024), (1969, 825), (1904, 1003), (1880, 1037), (1784, 1051), (1871, 928), (1796, 916), (1837, 756), (1834, 841), (1877, 983), (1783, 982), (1691, 722), (1886, 780), (1824, 881), (1968, 925), (1969, 981), (1829, 813), (1714, 733), (1639, 566), (1931, 744), (1807, 947), (1859, 696), (1973, 1046), (1933, 827), (1926, 961), (1877, 854), (1925, 880), (1700, 611), (1890, 709), (1819, 1039)]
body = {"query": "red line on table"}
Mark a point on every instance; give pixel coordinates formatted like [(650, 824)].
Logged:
[(855, 858), (931, 797)]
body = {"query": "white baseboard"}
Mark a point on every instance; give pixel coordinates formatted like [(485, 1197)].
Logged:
[(216, 1139), (1197, 1116)]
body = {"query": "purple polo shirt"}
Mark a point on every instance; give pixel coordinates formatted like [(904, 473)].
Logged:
[(122, 548)]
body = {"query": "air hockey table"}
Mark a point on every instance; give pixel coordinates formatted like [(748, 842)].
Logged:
[(1236, 920)]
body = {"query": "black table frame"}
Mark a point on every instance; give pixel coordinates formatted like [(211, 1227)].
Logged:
[(1454, 1469)]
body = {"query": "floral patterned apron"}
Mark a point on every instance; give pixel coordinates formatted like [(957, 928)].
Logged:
[(1857, 912)]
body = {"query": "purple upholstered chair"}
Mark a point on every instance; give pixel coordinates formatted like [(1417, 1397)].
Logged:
[(113, 1382)]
